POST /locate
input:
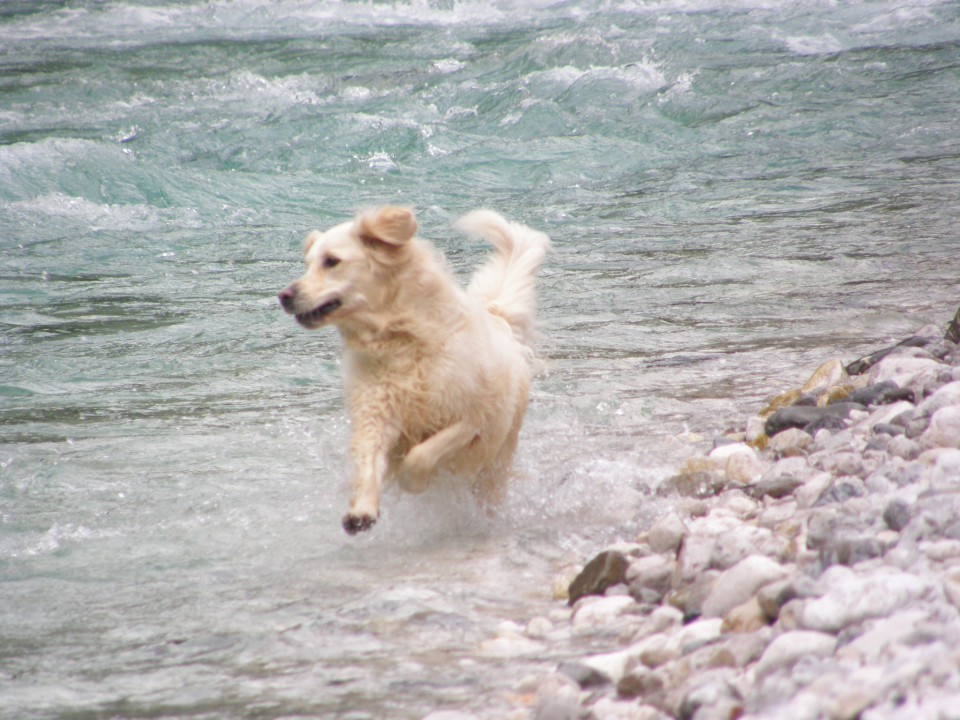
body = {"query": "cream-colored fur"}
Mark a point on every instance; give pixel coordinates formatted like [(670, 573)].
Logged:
[(436, 377)]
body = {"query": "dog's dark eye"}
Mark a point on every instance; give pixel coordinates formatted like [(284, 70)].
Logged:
[(329, 261)]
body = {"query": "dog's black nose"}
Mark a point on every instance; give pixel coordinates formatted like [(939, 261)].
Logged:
[(286, 297)]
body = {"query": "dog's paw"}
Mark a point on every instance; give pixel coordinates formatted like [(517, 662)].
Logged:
[(357, 523)]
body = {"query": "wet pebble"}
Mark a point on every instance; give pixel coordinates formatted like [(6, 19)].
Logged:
[(606, 569)]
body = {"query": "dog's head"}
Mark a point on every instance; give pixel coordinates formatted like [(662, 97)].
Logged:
[(348, 265)]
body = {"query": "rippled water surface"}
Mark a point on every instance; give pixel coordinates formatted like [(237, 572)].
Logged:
[(736, 192)]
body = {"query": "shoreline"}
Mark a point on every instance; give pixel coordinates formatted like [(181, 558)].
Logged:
[(811, 568)]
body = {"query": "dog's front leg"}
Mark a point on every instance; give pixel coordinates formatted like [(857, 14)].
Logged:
[(423, 458), (369, 448)]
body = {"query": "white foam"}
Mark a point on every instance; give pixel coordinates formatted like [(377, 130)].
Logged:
[(825, 44)]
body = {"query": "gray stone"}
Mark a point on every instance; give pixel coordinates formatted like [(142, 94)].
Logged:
[(606, 569), (897, 515), (689, 598), (805, 417), (840, 492), (858, 367), (711, 696), (916, 427), (881, 393), (584, 675), (848, 549), (843, 463), (904, 447), (887, 429), (782, 479), (640, 681)]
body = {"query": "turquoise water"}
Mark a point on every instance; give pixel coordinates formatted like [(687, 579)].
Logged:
[(736, 191)]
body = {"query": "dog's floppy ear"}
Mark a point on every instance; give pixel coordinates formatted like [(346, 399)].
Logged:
[(390, 225), (310, 240)]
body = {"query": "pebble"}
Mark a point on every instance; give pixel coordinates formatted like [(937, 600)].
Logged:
[(944, 429), (598, 613), (790, 442), (948, 395), (743, 468), (666, 534), (812, 571), (649, 578), (915, 373), (881, 393), (790, 647), (801, 416), (851, 598), (738, 584), (896, 514), (606, 569)]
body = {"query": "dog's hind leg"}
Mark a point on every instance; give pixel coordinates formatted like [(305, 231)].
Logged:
[(423, 458)]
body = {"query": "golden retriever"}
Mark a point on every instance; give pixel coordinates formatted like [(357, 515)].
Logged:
[(436, 377)]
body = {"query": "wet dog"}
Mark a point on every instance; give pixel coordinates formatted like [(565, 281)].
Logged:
[(436, 377)]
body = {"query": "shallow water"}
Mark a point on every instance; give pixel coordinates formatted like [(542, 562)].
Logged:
[(736, 192)]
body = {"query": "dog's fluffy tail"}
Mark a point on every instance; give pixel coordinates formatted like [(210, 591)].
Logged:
[(505, 285)]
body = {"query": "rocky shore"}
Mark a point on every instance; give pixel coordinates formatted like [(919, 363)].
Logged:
[(811, 570)]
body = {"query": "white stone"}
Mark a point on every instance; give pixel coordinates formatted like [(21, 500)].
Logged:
[(612, 665), (851, 598), (743, 541), (695, 556), (610, 709), (449, 715), (885, 414), (744, 469), (882, 634), (906, 371), (808, 493), (946, 468), (951, 587), (944, 429), (945, 396), (507, 647), (736, 585), (788, 648), (539, 627), (666, 534), (721, 454), (831, 373), (601, 612), (659, 649), (754, 428), (701, 631), (792, 441)]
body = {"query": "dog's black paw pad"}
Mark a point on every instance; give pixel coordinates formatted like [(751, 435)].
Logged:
[(354, 524)]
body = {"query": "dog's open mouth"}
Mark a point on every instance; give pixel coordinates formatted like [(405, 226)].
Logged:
[(318, 313)]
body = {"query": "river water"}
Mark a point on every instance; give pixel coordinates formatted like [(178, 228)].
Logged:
[(736, 192)]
